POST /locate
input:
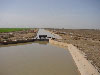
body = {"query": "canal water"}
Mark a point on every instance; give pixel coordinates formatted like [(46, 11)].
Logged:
[(38, 58)]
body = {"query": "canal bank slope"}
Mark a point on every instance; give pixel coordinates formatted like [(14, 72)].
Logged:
[(84, 66), (17, 36), (87, 41)]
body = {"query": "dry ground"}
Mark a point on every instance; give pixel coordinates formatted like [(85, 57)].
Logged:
[(86, 40), (18, 35)]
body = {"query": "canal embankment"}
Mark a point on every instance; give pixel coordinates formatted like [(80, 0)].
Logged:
[(83, 65), (15, 37), (87, 42)]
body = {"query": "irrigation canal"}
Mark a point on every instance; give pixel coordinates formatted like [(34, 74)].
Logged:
[(37, 58)]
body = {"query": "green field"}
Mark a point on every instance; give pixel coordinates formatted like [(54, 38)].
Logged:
[(12, 29)]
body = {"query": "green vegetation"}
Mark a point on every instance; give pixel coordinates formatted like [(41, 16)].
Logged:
[(12, 29)]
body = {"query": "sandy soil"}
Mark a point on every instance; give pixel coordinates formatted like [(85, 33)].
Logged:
[(86, 40)]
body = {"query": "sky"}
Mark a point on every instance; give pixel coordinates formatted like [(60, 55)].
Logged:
[(50, 14)]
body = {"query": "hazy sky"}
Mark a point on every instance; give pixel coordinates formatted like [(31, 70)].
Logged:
[(50, 13)]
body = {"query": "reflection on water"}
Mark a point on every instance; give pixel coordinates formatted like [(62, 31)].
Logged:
[(39, 58), (42, 42), (39, 42)]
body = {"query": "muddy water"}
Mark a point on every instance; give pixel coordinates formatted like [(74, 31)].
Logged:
[(39, 58)]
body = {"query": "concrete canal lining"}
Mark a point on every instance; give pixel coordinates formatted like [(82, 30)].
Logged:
[(84, 66)]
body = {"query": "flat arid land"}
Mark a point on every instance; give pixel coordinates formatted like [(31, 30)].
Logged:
[(86, 40), (16, 34)]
